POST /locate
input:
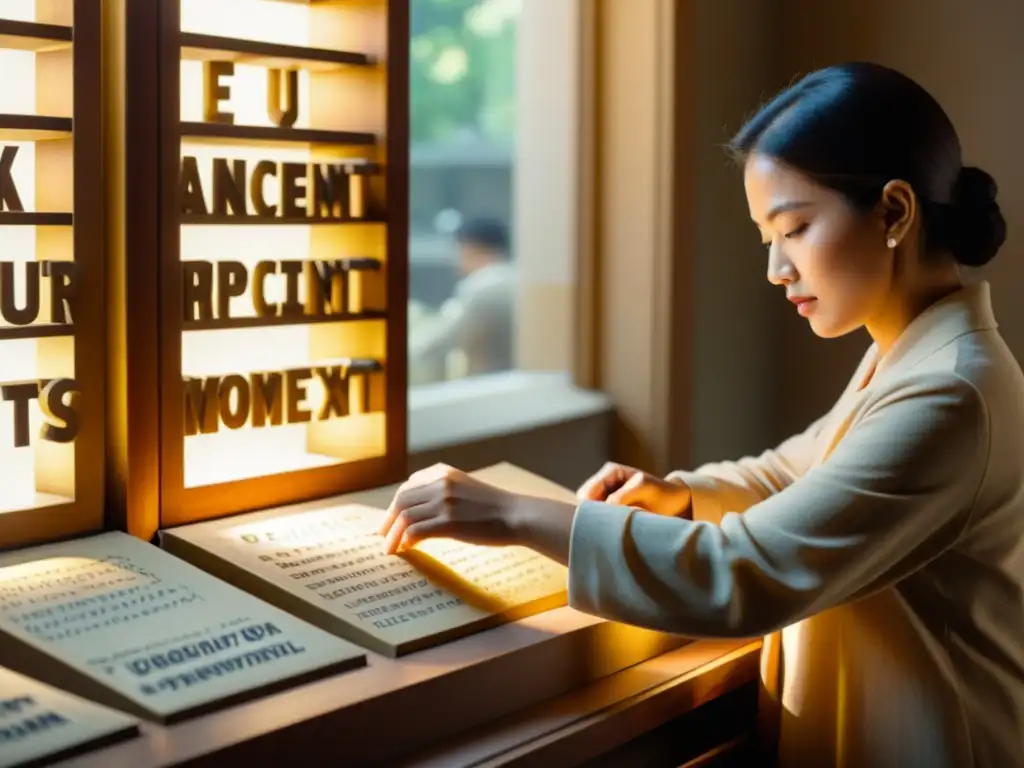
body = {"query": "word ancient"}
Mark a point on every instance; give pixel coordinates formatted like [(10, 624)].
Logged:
[(274, 398), (315, 191)]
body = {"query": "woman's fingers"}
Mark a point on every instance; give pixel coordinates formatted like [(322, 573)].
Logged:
[(427, 528), (633, 492), (413, 491), (407, 518), (604, 482)]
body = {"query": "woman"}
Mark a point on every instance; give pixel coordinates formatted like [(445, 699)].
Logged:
[(880, 551)]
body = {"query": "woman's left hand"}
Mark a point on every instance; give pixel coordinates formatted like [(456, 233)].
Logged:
[(442, 501)]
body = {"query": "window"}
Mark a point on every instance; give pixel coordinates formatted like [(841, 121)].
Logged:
[(494, 87)]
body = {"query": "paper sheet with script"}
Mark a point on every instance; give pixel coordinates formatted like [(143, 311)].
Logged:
[(162, 637), (38, 721), (329, 562)]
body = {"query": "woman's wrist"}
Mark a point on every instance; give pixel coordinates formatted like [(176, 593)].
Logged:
[(544, 525)]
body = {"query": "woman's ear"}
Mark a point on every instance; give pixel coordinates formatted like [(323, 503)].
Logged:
[(899, 208)]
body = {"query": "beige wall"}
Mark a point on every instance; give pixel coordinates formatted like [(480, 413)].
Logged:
[(969, 55), (676, 259), (734, 369), (734, 309)]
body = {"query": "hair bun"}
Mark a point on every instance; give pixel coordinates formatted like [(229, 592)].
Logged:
[(978, 228)]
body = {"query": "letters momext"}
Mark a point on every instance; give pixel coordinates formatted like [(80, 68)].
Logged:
[(273, 398)]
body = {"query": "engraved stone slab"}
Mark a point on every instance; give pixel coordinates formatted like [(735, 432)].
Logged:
[(124, 623), (40, 724), (324, 561)]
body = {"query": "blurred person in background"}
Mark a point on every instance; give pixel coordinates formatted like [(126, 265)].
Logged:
[(477, 321)]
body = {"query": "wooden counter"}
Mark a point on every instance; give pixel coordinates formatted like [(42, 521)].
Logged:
[(346, 720)]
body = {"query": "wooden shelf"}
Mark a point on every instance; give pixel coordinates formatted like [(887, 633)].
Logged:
[(272, 55), (47, 331), (270, 221), (33, 219), (34, 128), (31, 36), (217, 133), (266, 322)]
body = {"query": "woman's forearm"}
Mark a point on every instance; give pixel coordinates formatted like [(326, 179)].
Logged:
[(543, 525)]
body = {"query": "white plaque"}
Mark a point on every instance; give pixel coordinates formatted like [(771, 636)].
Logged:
[(325, 562), (144, 631), (39, 722)]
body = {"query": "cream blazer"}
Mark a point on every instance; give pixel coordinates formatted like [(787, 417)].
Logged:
[(881, 552)]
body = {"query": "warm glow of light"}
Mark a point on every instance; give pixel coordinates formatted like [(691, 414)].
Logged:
[(252, 452), (19, 358), (53, 577), (17, 10), (286, 23)]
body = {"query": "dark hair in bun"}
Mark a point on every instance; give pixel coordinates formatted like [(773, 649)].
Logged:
[(976, 229), (855, 127)]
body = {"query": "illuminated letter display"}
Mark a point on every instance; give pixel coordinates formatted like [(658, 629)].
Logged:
[(51, 281), (283, 272)]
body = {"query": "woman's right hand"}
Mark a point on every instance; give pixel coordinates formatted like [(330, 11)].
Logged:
[(631, 487)]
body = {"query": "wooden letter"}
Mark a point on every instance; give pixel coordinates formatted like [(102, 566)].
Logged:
[(291, 270), (63, 289), (335, 392), (190, 188), (231, 281), (283, 116), (259, 297), (233, 414), (201, 405), (197, 285), (263, 169), (20, 393), (366, 386), (10, 200), (357, 183), (62, 422), (296, 394), (325, 288), (330, 192), (293, 189), (267, 400), (8, 308), (228, 187), (214, 91)]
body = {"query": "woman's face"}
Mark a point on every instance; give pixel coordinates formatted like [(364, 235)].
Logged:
[(832, 260)]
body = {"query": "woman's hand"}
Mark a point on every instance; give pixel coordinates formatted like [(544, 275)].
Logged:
[(442, 501), (631, 487)]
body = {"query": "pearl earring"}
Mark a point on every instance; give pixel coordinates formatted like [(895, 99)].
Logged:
[(891, 242)]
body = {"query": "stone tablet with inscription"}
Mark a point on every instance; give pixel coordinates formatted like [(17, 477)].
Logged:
[(324, 561), (119, 621), (40, 724)]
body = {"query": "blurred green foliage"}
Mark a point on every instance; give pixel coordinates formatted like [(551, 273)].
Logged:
[(462, 69)]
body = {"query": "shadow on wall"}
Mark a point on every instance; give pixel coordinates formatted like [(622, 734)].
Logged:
[(968, 55)]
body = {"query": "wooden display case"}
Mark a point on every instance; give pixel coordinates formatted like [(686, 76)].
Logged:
[(51, 271), (280, 245)]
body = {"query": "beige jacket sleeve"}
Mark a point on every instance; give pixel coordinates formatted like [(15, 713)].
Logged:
[(896, 491), (737, 485)]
